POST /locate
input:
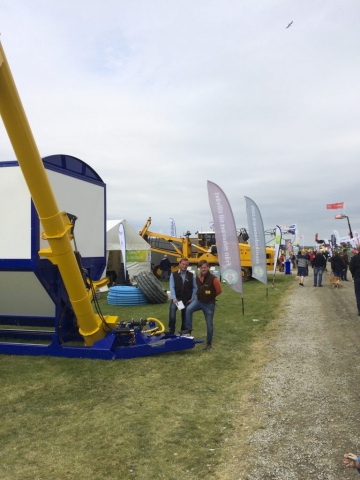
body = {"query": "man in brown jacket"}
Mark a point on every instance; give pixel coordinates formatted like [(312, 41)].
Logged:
[(208, 288)]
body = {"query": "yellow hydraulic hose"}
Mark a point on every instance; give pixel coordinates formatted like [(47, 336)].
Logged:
[(156, 330)]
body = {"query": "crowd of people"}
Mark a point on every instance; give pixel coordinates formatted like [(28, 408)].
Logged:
[(318, 259)]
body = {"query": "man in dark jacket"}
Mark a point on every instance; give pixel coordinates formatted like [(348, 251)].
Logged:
[(345, 258), (183, 289), (318, 263), (165, 266), (355, 272), (337, 265)]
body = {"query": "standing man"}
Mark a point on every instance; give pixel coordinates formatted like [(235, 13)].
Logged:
[(355, 272), (208, 288), (337, 265), (345, 259), (302, 266), (165, 267), (182, 288), (318, 263)]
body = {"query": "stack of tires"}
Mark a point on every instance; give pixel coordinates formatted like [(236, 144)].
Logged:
[(151, 287)]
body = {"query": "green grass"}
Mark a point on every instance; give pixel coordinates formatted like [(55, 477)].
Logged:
[(158, 417)]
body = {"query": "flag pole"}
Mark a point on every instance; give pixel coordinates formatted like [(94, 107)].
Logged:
[(278, 235)]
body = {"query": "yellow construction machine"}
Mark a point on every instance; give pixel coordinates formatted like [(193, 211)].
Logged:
[(203, 247)]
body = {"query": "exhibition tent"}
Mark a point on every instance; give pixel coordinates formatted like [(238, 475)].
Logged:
[(138, 252)]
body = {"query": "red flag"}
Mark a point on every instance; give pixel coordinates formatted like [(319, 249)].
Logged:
[(334, 206)]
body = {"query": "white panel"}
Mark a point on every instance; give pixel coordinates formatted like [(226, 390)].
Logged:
[(15, 215), (85, 201), (22, 294)]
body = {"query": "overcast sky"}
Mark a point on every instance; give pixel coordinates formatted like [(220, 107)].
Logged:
[(160, 96)]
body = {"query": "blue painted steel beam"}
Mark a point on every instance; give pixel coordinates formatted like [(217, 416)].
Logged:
[(104, 349)]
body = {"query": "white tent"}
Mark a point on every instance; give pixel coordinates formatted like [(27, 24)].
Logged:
[(138, 252)]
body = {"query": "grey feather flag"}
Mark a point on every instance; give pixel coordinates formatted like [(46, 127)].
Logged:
[(172, 228), (226, 237), (257, 241)]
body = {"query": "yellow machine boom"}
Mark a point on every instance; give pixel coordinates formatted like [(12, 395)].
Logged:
[(56, 224), (184, 248)]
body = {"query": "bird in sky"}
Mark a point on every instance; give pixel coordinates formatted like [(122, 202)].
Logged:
[(290, 24)]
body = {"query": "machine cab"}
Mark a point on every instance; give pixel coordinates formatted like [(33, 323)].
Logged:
[(206, 239)]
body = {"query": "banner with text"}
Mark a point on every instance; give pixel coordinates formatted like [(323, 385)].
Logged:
[(226, 237), (357, 238), (172, 228), (334, 206), (122, 240), (138, 256), (257, 241)]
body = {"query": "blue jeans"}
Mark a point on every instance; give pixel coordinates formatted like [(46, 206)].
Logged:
[(357, 292), (318, 271), (337, 274), (172, 317), (164, 275), (208, 310)]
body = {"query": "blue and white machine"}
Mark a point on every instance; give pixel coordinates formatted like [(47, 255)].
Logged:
[(48, 280)]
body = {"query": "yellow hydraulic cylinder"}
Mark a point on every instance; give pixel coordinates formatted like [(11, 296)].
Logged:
[(55, 223)]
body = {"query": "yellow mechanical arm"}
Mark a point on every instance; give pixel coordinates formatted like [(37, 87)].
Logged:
[(55, 223)]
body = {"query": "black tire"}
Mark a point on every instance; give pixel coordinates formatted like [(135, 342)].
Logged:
[(157, 271), (151, 288)]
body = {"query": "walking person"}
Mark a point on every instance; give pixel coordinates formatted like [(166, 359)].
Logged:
[(326, 255), (282, 263), (307, 256), (312, 256), (337, 265), (354, 268), (302, 266), (293, 260), (318, 263), (345, 259), (183, 289), (165, 266), (208, 288)]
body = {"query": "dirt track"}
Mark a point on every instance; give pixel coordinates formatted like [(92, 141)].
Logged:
[(305, 411)]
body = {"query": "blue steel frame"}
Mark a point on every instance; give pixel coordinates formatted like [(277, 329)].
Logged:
[(103, 349), (63, 325), (47, 273)]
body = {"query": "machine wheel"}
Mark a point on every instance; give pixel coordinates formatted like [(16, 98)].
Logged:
[(156, 271), (247, 274), (151, 287)]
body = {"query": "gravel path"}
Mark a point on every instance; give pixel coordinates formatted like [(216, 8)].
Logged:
[(308, 399)]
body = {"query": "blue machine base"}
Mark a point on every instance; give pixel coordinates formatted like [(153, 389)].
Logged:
[(104, 349)]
